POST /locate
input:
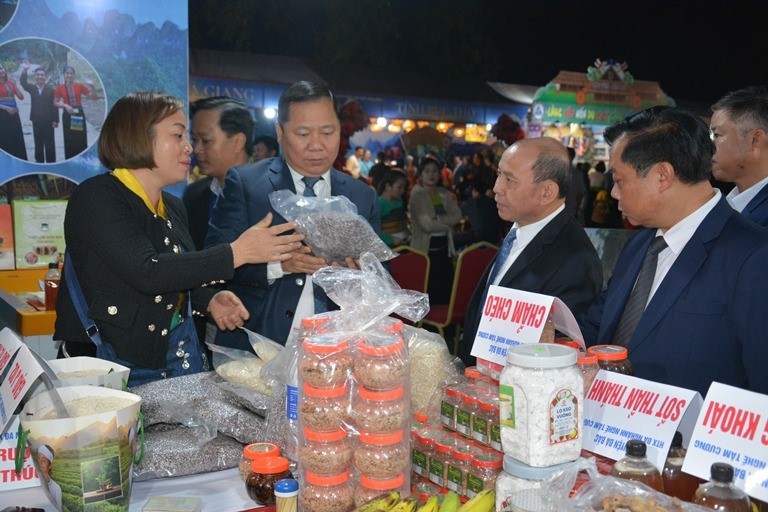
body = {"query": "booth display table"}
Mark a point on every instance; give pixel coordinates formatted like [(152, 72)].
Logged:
[(35, 327)]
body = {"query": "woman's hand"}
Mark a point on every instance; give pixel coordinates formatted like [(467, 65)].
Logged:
[(227, 310), (262, 244)]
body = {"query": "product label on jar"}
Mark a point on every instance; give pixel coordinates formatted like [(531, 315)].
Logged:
[(474, 485), (448, 414), (292, 402), (463, 422), (563, 417), (419, 463), (480, 430), (437, 471), (507, 406), (496, 437), (455, 477)]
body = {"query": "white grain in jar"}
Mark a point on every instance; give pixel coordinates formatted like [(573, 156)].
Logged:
[(325, 360), (325, 453), (380, 362), (541, 404), (519, 486)]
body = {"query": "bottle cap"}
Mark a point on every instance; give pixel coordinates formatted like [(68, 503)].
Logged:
[(382, 484), (269, 465), (256, 450), (608, 352), (721, 472), (286, 488), (326, 480), (53, 265), (636, 448), (542, 355)]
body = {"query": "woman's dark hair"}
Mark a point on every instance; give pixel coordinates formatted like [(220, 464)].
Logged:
[(391, 176), (424, 162), (65, 68), (128, 134)]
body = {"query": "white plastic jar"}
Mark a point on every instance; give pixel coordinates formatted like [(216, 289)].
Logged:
[(518, 487), (541, 394)]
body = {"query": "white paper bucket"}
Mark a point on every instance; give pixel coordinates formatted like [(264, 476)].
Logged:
[(85, 460), (118, 379)]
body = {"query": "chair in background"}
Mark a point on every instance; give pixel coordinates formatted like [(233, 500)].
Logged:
[(469, 269), (410, 270)]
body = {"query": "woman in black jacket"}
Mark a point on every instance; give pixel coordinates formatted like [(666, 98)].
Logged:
[(132, 278)]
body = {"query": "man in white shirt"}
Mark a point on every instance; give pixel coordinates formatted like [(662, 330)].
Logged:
[(688, 293), (352, 166), (739, 127), (547, 250)]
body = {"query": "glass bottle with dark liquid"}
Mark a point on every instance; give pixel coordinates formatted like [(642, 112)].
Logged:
[(635, 466), (676, 483), (720, 493)]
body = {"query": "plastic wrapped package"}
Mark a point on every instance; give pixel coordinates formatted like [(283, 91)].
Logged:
[(240, 368), (331, 226), (231, 420), (432, 367), (172, 451)]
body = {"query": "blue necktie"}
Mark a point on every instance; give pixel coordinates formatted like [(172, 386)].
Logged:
[(501, 258), (309, 186), (321, 300)]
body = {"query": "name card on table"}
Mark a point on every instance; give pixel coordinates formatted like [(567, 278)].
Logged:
[(19, 371), (732, 427), (512, 317), (618, 408)]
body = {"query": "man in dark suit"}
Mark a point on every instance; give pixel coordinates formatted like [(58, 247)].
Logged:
[(221, 136), (688, 294), (547, 250), (278, 295), (43, 114), (739, 127)]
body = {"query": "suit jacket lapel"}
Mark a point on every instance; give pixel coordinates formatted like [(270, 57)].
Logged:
[(280, 178), (536, 246), (684, 269), (756, 201), (339, 183)]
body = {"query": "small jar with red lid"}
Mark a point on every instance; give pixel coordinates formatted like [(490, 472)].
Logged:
[(391, 325), (383, 455), (612, 358), (424, 449), (568, 343), (316, 324), (380, 411), (265, 471), (325, 453), (438, 464), (425, 490), (324, 409), (325, 360), (466, 412), (450, 404), (327, 493), (380, 362), (487, 412), (458, 468), (589, 367), (484, 470), (254, 451), (422, 416), (372, 488)]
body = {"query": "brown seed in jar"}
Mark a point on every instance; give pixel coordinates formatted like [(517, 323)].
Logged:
[(324, 409), (325, 360), (332, 493), (382, 366), (381, 455), (325, 453), (380, 411)]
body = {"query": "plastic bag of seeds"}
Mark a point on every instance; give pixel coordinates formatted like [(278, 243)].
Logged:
[(331, 226)]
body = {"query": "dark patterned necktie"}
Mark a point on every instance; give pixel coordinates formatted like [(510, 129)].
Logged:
[(309, 186), (638, 299), (501, 258)]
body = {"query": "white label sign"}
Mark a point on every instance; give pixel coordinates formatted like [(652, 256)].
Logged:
[(618, 408), (21, 374), (9, 479), (732, 427), (9, 344), (513, 317)]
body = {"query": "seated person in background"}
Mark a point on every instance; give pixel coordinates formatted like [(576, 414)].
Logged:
[(394, 219), (688, 293), (484, 221)]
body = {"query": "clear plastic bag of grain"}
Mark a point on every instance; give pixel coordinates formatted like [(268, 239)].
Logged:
[(431, 367), (240, 368), (331, 226)]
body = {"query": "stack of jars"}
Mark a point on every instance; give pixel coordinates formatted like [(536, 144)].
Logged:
[(354, 408)]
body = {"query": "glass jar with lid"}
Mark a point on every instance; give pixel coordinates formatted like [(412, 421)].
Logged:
[(612, 358), (325, 360), (485, 468), (541, 402), (450, 403), (382, 455), (486, 415), (254, 451), (325, 453), (380, 362), (265, 471), (589, 367), (438, 464), (519, 486), (371, 488), (380, 411), (424, 449), (327, 493), (324, 409), (316, 324), (466, 412), (458, 468)]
